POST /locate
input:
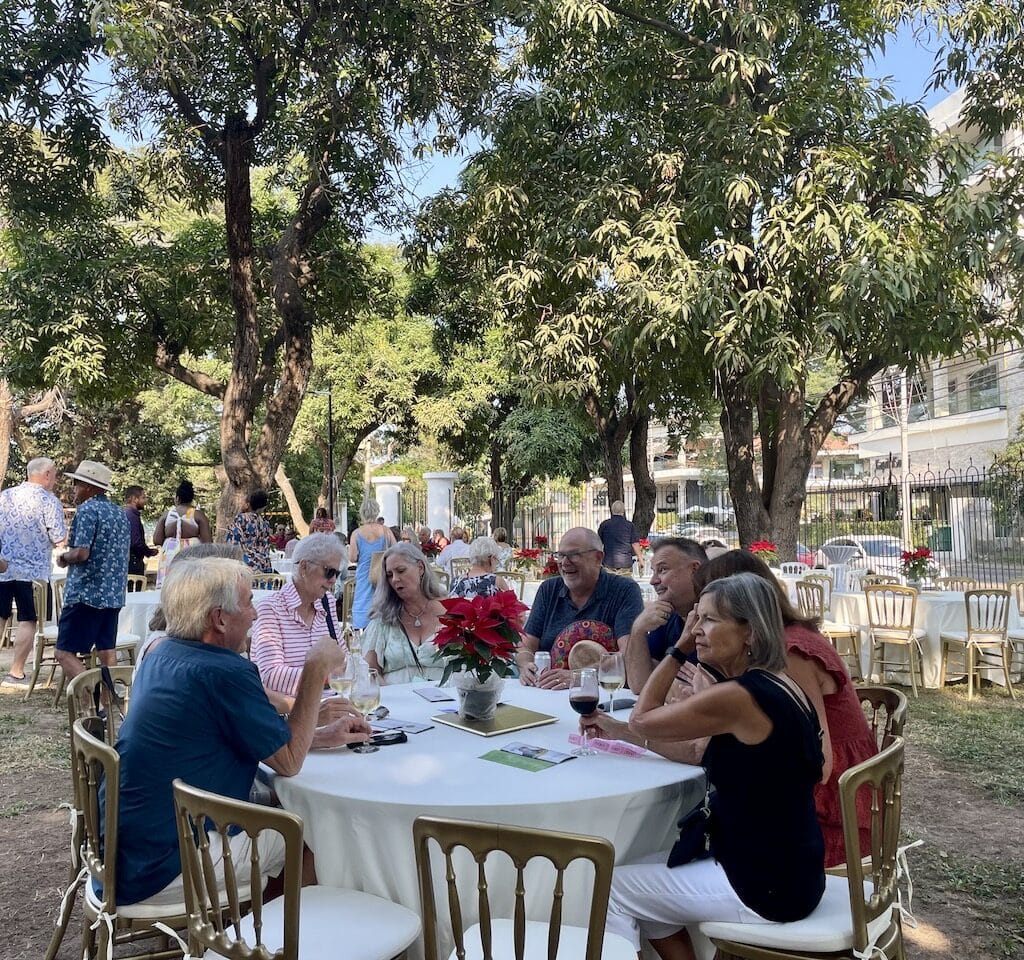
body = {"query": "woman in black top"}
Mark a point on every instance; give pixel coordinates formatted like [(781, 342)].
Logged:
[(763, 761)]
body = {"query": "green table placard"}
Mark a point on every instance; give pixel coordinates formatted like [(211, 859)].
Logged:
[(515, 760)]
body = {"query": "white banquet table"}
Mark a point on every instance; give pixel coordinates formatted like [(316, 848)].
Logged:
[(358, 809), (938, 611)]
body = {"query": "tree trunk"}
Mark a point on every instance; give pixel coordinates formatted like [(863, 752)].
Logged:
[(238, 408), (737, 421), (6, 427), (645, 488), (294, 510), (612, 433)]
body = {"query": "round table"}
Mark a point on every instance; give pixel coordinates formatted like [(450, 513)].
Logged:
[(358, 809)]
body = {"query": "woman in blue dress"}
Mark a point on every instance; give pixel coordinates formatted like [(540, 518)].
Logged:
[(370, 538)]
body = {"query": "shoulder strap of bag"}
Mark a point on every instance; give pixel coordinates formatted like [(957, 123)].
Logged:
[(326, 604)]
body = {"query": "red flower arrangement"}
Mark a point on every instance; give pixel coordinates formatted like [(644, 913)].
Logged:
[(429, 548), (527, 557), (644, 543), (480, 635), (765, 550), (917, 563), (550, 568), (540, 540)]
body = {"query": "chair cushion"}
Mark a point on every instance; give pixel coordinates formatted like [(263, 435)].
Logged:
[(829, 928), (572, 943), (830, 626), (334, 923), (155, 909), (896, 636)]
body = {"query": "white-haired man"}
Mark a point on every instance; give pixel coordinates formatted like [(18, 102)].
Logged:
[(31, 525), (199, 712), (585, 603)]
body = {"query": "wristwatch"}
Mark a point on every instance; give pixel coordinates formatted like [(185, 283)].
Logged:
[(676, 654)]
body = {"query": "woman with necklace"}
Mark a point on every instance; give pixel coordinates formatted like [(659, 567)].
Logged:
[(404, 618)]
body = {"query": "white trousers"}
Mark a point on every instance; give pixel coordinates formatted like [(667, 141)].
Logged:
[(651, 901), (271, 847)]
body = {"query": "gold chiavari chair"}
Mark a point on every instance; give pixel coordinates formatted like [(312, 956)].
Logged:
[(987, 615), (891, 623)]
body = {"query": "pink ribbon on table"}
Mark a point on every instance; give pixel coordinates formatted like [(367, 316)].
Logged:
[(619, 747)]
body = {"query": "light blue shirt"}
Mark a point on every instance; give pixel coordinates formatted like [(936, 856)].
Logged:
[(31, 522), (102, 580)]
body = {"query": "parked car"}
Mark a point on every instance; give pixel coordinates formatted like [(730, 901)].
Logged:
[(705, 535), (805, 554), (875, 552)]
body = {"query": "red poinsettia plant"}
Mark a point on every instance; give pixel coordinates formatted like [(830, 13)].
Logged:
[(540, 540), (527, 557), (765, 550), (480, 634), (644, 543), (429, 548), (550, 567), (917, 564)]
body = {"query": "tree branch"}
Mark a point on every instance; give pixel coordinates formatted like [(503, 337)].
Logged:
[(170, 363), (663, 25), (189, 112)]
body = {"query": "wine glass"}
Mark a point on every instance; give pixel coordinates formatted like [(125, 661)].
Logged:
[(366, 699), (583, 698), (611, 676), (355, 642), (340, 678)]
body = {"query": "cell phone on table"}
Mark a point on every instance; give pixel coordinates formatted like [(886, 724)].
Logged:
[(385, 738)]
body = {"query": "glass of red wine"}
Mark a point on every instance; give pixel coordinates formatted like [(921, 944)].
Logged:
[(584, 695)]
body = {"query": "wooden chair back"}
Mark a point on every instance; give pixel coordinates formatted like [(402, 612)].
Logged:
[(521, 846), (988, 613), (886, 710), (81, 699), (217, 900), (875, 579), (137, 582), (958, 584), (882, 777), (460, 567), (825, 580), (891, 608), (516, 579), (810, 599)]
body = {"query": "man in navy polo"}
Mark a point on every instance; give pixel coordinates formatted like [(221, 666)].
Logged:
[(97, 562), (585, 603), (673, 564)]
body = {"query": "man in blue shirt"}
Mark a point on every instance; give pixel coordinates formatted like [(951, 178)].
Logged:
[(97, 559), (199, 712), (585, 603), (674, 562), (620, 541)]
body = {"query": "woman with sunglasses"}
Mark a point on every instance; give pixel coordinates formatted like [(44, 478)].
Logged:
[(292, 619)]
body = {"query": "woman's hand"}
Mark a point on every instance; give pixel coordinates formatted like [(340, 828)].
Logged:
[(553, 679), (599, 724)]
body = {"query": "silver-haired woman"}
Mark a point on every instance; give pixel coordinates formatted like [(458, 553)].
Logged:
[(293, 619), (481, 581), (764, 759), (368, 539), (399, 641)]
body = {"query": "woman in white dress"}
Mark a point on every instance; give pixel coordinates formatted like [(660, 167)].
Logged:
[(404, 618)]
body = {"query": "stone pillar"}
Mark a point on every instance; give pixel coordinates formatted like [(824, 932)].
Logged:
[(387, 491), (440, 500)]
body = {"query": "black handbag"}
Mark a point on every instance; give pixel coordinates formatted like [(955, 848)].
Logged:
[(694, 841)]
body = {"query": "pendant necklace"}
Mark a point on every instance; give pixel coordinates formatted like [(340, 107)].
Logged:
[(416, 617)]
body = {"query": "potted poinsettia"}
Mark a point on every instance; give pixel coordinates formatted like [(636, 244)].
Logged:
[(478, 640), (765, 550), (540, 541), (917, 565), (550, 568), (527, 558)]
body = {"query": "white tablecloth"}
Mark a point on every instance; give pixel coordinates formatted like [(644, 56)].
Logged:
[(937, 612), (359, 809), (286, 567), (139, 606)]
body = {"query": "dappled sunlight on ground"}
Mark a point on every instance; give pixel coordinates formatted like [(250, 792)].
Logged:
[(926, 938)]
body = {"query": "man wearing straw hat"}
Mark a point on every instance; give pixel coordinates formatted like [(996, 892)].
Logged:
[(97, 562)]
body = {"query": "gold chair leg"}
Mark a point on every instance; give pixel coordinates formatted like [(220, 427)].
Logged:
[(63, 920), (1006, 671), (942, 664), (911, 656)]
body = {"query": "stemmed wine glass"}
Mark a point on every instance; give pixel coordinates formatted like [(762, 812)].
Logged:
[(611, 676), (340, 678), (583, 698), (366, 699)]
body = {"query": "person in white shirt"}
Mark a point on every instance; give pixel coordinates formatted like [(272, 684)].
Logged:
[(459, 547)]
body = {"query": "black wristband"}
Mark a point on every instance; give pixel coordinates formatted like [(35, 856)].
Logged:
[(676, 654)]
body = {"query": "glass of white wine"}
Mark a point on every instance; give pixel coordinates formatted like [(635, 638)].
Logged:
[(611, 676), (366, 699), (340, 679)]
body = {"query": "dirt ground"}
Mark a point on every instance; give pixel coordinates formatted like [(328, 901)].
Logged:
[(968, 877)]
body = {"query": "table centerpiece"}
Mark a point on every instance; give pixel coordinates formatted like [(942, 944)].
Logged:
[(527, 559), (478, 640), (917, 566), (765, 550)]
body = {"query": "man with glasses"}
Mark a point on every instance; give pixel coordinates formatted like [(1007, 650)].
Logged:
[(585, 603), (293, 619)]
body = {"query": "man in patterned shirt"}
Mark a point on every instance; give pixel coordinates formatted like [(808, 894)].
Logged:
[(31, 525), (97, 574)]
